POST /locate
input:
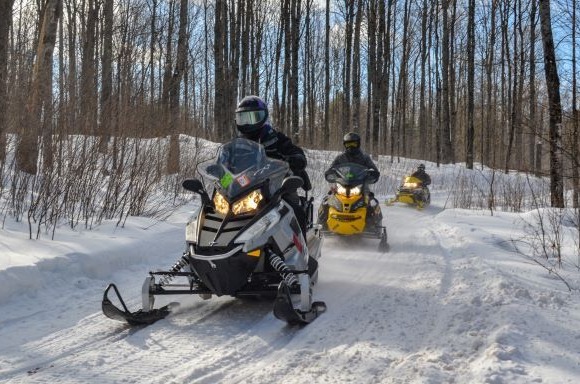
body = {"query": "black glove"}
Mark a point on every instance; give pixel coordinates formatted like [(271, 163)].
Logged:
[(296, 161), (373, 175)]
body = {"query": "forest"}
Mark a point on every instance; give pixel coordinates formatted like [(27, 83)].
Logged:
[(97, 95)]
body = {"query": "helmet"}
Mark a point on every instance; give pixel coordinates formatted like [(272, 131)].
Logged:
[(351, 142), (251, 115), (421, 167)]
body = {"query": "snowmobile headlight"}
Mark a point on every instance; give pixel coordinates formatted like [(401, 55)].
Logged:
[(247, 204), (356, 190), (341, 190), (410, 185), (221, 204), (262, 225)]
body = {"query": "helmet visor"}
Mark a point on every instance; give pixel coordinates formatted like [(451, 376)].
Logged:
[(249, 117), (351, 144)]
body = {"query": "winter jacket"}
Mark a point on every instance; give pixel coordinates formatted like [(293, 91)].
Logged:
[(423, 176), (358, 157), (279, 146)]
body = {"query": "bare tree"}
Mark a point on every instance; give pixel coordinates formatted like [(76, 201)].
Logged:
[(346, 107), (5, 23), (175, 90), (40, 94), (107, 119), (356, 71), (470, 84), (446, 145), (535, 147), (326, 130), (575, 123), (555, 107), (296, 12)]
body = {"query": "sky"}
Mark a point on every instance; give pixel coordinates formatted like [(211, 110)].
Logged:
[(451, 302)]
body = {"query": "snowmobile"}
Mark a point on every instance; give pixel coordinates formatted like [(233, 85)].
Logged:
[(244, 240), (412, 192), (349, 206)]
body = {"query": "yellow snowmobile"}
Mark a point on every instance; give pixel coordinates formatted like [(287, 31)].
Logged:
[(412, 192), (349, 206)]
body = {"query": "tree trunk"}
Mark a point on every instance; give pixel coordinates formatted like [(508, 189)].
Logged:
[(356, 72), (347, 65), (88, 94), (107, 119), (423, 84), (555, 107), (174, 91), (326, 130), (534, 137), (27, 149), (575, 133), (446, 146), (5, 22), (220, 68), (295, 41), (470, 84)]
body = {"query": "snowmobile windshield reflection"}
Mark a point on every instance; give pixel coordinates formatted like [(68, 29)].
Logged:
[(242, 164)]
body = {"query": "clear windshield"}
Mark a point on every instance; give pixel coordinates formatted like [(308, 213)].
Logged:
[(242, 164), (348, 174)]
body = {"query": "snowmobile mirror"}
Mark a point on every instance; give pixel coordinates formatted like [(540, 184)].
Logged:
[(331, 176), (292, 183), (194, 185)]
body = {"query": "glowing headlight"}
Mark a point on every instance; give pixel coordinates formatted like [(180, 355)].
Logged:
[(356, 190), (220, 204), (410, 185), (248, 203), (340, 190)]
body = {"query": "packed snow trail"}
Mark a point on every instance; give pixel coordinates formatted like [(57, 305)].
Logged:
[(430, 310)]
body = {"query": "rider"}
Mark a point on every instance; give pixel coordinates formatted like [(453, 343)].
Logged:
[(252, 122), (353, 154), (422, 175)]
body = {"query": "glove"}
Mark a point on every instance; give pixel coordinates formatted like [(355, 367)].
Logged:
[(296, 161), (373, 174)]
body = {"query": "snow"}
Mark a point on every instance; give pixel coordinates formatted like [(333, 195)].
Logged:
[(451, 302)]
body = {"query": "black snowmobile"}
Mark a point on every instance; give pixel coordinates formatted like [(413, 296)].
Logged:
[(244, 240)]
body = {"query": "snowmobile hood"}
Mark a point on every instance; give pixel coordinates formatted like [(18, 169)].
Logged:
[(348, 174)]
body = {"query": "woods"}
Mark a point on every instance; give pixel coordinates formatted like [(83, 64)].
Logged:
[(490, 83)]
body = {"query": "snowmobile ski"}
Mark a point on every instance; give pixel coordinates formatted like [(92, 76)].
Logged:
[(139, 317), (285, 311)]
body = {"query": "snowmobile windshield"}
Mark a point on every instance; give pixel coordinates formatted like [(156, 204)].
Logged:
[(241, 165), (348, 174)]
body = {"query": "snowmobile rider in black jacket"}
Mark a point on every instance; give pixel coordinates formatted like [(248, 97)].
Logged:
[(353, 154), (422, 175), (252, 122)]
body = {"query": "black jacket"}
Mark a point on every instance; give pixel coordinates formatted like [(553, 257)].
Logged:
[(358, 157), (279, 146), (423, 176)]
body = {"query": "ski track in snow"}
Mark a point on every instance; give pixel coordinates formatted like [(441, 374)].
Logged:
[(431, 310)]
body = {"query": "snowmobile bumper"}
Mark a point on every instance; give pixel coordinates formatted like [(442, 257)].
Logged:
[(139, 317)]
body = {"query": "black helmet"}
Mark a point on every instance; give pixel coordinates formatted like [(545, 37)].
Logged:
[(351, 142), (421, 167), (251, 114)]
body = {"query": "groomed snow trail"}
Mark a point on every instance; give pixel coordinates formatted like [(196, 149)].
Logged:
[(431, 310)]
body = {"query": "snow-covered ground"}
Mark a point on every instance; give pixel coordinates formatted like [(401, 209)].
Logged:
[(451, 302)]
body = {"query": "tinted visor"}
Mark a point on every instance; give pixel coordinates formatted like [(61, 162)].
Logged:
[(250, 117), (351, 144)]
